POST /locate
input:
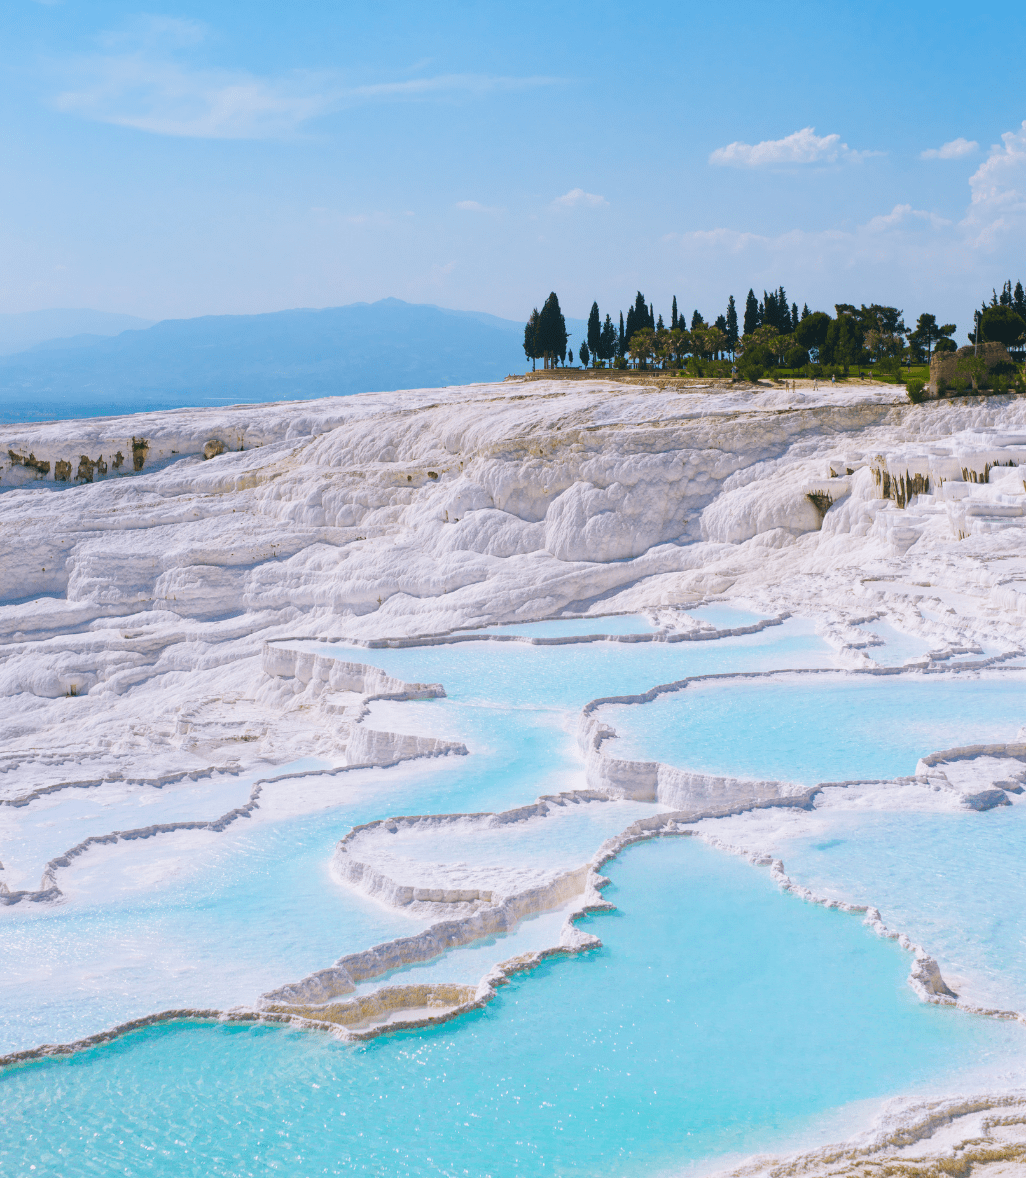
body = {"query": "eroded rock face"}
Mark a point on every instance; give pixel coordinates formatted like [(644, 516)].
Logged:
[(737, 516), (324, 518)]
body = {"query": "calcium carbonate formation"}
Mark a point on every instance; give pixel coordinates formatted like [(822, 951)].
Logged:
[(162, 572)]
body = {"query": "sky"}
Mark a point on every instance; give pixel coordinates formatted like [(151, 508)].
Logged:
[(211, 158)]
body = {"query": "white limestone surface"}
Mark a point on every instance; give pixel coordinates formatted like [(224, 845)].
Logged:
[(154, 568)]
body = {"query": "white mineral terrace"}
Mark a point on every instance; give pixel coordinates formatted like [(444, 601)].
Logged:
[(164, 575)]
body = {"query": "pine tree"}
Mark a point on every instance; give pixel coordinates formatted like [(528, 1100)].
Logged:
[(673, 315), (1005, 298), (752, 316), (731, 328), (805, 311), (594, 330)]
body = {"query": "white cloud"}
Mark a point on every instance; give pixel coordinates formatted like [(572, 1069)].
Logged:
[(951, 151), (802, 147), (909, 256), (902, 213), (997, 211), (577, 197), (142, 81), (473, 206)]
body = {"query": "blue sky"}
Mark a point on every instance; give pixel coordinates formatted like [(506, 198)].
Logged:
[(206, 158)]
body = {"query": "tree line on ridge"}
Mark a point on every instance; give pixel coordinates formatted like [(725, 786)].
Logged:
[(772, 333)]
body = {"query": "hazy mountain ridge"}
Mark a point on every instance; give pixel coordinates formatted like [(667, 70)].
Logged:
[(281, 355), (23, 330)]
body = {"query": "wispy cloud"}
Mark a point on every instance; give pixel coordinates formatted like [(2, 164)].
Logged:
[(578, 198), (870, 241), (802, 147), (473, 206), (902, 214), (951, 151), (142, 78)]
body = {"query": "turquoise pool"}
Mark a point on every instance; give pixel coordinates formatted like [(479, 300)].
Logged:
[(720, 1016), (820, 727)]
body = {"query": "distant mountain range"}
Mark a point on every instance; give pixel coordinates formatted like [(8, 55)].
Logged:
[(26, 329), (229, 359)]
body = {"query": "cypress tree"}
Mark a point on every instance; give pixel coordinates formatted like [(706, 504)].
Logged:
[(673, 315), (783, 314), (805, 311), (794, 316), (532, 337), (731, 329), (651, 316), (594, 330), (697, 321), (721, 323), (552, 330), (583, 354), (621, 343), (631, 328), (659, 325), (1019, 301), (607, 344), (752, 316)]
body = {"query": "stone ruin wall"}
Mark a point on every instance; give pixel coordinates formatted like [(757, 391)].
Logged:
[(944, 365)]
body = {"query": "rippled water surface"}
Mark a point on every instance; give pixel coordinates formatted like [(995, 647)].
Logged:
[(720, 1015), (683, 1038), (951, 881), (820, 728)]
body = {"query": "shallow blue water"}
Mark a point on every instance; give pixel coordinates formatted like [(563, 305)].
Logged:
[(720, 1016), (950, 881), (216, 919), (575, 1068), (820, 728), (566, 677)]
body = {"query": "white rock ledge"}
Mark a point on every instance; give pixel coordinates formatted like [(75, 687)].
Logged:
[(365, 748)]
